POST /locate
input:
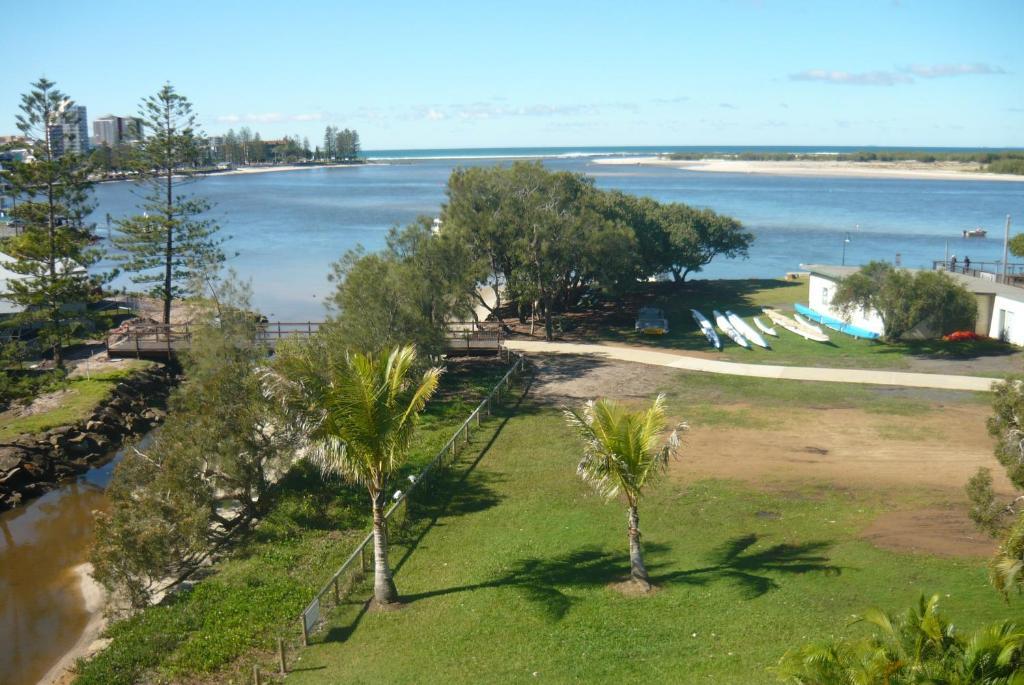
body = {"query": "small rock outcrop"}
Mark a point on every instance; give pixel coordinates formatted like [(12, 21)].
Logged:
[(31, 465)]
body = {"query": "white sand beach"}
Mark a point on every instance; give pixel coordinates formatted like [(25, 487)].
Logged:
[(939, 171)]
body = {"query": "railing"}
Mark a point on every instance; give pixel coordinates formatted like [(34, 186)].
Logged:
[(989, 271), (361, 559), (142, 337)]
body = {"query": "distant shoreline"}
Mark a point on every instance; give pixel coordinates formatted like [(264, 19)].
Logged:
[(943, 171)]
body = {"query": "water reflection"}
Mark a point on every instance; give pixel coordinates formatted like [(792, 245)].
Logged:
[(42, 612)]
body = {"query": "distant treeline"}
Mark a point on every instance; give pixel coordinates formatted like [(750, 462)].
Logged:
[(997, 161)]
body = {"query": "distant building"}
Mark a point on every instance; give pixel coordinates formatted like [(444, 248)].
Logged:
[(111, 130), (72, 135)]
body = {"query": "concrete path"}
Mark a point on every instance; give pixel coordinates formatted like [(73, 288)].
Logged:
[(642, 355)]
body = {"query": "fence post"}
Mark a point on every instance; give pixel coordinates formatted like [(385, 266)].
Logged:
[(280, 656), (256, 675), (337, 599), (305, 632)]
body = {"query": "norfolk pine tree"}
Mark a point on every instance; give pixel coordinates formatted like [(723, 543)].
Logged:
[(167, 245), (53, 253)]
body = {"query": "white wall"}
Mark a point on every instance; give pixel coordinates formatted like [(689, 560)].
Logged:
[(820, 300), (1002, 309)]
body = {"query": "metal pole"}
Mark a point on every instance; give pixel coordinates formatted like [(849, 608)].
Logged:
[(256, 675), (280, 656), (305, 632), (1006, 246)]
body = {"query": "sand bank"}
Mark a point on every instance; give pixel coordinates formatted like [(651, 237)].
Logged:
[(94, 601), (939, 171)]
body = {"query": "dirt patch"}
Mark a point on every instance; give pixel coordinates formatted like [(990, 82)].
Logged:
[(943, 532), (631, 588), (375, 607), (563, 378), (40, 405)]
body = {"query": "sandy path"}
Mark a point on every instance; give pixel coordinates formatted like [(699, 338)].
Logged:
[(643, 355), (824, 168)]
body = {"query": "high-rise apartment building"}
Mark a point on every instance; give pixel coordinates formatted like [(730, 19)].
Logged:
[(113, 130), (72, 134)]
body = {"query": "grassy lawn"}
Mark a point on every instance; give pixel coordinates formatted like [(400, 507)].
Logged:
[(82, 397), (509, 577), (256, 593), (746, 297)]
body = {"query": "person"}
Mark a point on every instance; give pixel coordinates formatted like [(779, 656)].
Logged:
[(967, 264), (952, 263)]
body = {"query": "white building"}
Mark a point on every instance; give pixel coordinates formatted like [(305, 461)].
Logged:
[(1000, 306), (72, 134)]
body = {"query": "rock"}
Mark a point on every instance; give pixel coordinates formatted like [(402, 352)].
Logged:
[(16, 479), (10, 457), (154, 414)]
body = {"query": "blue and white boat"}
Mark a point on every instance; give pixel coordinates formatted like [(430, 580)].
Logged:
[(836, 324)]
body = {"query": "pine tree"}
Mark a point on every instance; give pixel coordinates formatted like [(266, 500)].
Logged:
[(169, 244), (54, 251)]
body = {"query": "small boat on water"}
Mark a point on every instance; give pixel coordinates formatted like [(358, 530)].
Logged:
[(804, 330), (978, 232), (746, 331), (707, 329), (765, 328), (729, 329), (836, 324)]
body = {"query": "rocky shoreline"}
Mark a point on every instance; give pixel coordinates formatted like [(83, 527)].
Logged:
[(32, 465)]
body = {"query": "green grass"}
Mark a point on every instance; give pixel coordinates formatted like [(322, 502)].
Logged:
[(83, 397), (746, 297), (256, 594), (506, 579)]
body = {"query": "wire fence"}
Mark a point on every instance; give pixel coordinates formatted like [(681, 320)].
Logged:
[(354, 568)]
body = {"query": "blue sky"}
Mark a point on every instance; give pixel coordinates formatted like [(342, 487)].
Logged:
[(480, 74)]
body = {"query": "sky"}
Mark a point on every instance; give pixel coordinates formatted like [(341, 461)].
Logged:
[(519, 74)]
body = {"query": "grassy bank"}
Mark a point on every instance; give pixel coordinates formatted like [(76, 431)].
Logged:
[(256, 593), (614, 322), (510, 578), (78, 398)]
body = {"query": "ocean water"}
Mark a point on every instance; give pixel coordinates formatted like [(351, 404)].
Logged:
[(287, 227)]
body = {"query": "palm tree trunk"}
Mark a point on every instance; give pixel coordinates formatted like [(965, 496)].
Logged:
[(384, 590), (637, 570)]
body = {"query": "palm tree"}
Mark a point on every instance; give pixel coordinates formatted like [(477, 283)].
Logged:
[(358, 413), (915, 646), (621, 456)]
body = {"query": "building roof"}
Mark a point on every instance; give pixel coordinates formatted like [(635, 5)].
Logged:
[(978, 286)]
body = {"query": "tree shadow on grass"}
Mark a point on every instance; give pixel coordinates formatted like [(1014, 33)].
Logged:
[(548, 582)]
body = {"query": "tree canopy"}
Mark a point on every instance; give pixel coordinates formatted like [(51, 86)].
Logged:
[(905, 300)]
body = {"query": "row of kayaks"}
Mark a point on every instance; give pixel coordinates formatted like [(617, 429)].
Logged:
[(738, 330), (741, 333)]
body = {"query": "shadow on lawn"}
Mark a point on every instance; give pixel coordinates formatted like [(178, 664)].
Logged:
[(545, 582)]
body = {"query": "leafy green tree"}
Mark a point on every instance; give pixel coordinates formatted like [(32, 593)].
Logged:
[(905, 300), (696, 236), (404, 294), (1017, 241), (53, 253), (358, 413), (991, 513), (169, 243), (330, 149), (208, 468), (621, 457), (913, 647)]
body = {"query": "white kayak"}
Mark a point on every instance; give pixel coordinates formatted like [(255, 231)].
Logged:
[(707, 329), (794, 327), (804, 323), (746, 331), (729, 329), (765, 328)]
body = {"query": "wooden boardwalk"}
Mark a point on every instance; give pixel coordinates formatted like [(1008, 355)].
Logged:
[(146, 340)]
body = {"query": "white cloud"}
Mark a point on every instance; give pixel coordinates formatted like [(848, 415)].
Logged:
[(846, 78), (672, 101), (944, 70), (727, 105)]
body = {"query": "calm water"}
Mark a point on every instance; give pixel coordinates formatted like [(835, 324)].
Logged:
[(42, 547), (288, 227)]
